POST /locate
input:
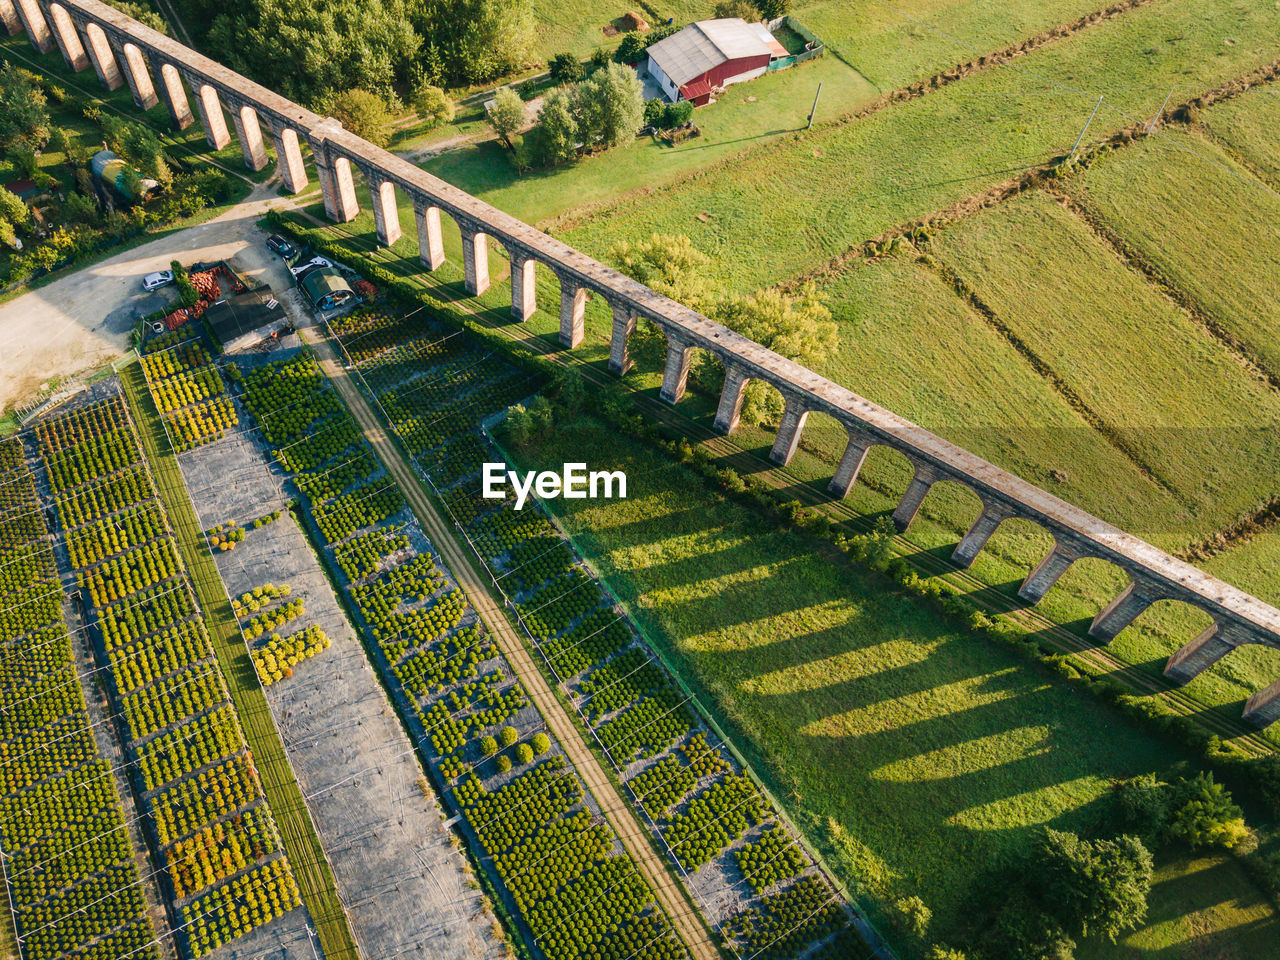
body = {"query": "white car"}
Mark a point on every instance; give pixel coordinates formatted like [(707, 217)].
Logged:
[(154, 281), (313, 262)]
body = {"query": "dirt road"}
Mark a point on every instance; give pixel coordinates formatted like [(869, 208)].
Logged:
[(82, 320), (617, 811)]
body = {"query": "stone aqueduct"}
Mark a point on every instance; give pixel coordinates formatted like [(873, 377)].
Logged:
[(121, 50)]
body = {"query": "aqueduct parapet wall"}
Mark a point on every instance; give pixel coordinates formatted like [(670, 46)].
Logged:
[(88, 32)]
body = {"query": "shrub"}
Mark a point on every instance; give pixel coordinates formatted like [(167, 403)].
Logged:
[(488, 746), (524, 754), (508, 735), (433, 105), (565, 68), (503, 763), (541, 743), (1206, 816)]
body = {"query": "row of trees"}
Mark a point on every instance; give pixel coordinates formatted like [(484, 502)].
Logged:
[(310, 50)]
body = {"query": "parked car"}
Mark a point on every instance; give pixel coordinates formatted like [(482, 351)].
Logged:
[(154, 281), (282, 247), (310, 265)]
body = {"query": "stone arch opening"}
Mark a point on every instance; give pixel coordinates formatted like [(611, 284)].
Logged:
[(175, 96), (386, 210), (102, 57), (64, 30), (138, 76), (426, 217), (1017, 545), (212, 119), (35, 24)]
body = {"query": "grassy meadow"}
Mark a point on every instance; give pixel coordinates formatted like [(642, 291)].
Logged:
[(1205, 222), (1173, 398), (871, 50), (979, 132), (913, 756), (1248, 125)]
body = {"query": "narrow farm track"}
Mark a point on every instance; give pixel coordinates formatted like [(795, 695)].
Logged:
[(690, 927), (1049, 633)]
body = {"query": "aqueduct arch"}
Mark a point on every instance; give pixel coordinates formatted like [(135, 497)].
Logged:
[(1239, 618)]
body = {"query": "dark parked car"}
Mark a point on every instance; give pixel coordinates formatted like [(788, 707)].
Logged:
[(282, 247)]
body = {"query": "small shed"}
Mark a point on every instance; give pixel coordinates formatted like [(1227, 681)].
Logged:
[(326, 288), (709, 55)]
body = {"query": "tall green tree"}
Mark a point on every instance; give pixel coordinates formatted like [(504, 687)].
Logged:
[(506, 115), (610, 105), (309, 49), (1098, 887), (24, 114), (476, 41), (557, 139), (433, 105), (363, 113)]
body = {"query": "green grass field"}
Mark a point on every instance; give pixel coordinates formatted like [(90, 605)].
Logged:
[(1205, 222), (1167, 393), (577, 26), (1248, 126), (979, 132), (912, 755)]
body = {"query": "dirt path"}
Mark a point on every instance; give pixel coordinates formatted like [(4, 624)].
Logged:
[(617, 811)]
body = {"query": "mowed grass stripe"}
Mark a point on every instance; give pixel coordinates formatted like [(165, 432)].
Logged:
[(310, 868), (779, 212), (1248, 125), (1163, 387), (1205, 224)]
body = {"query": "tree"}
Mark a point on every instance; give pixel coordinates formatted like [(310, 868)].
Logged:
[(797, 326), (507, 736), (61, 141), (363, 113), (477, 41), (488, 746), (24, 117), (672, 266), (541, 743), (610, 105), (506, 115), (433, 105), (912, 917), (13, 210), (772, 9), (310, 49), (503, 763), (557, 130), (744, 9), (1206, 816), (524, 754), (1094, 886), (1142, 805), (565, 68), (142, 13), (520, 425)]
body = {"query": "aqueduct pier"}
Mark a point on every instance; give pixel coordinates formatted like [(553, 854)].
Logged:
[(121, 50)]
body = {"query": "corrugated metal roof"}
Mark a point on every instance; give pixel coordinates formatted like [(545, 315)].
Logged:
[(702, 46)]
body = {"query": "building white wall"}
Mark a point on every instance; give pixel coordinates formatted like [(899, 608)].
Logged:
[(668, 87)]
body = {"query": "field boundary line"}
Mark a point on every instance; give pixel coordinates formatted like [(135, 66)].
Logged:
[(1058, 383), (1135, 260)]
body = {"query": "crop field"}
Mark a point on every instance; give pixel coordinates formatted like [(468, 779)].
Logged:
[(62, 826), (979, 131), (743, 867), (1205, 222), (469, 716), (914, 756)]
